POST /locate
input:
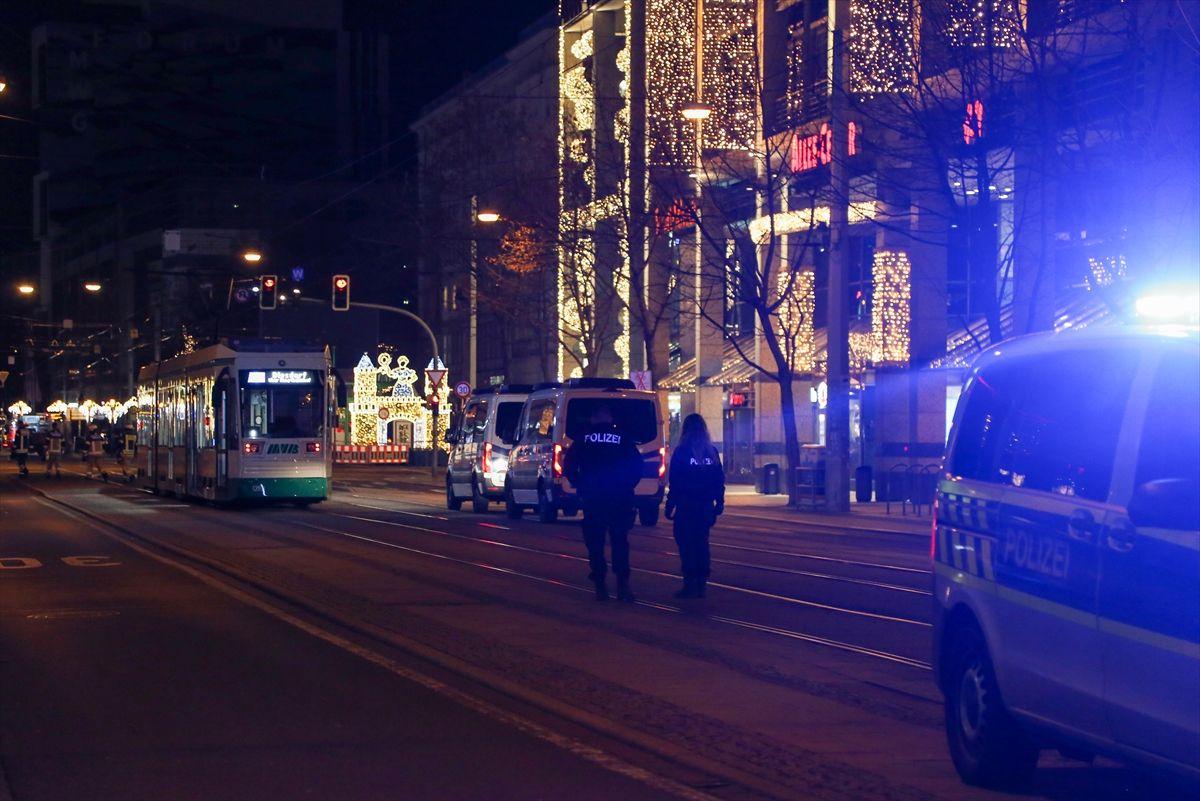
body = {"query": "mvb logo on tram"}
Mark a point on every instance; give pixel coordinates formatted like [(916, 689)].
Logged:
[(283, 448)]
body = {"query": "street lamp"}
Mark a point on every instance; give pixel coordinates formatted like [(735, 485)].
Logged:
[(488, 216), (696, 111), (26, 289), (3, 83), (252, 256), (92, 286)]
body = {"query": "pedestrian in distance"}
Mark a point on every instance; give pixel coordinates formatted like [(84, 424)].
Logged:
[(54, 451), (696, 497), (20, 448), (95, 450), (604, 466)]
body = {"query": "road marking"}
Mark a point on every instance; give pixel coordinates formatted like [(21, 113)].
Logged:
[(495, 525), (90, 561), (73, 614), (575, 747), (18, 563)]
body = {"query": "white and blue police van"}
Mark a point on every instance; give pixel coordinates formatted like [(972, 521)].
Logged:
[(1066, 555)]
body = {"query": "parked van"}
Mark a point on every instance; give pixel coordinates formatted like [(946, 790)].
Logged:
[(553, 416), (480, 444), (1066, 555)]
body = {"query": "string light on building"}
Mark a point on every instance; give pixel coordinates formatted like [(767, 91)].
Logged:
[(882, 46), (890, 307), (384, 399), (787, 222), (670, 81), (1106, 270), (730, 70), (977, 24), (797, 305), (794, 92), (583, 47)]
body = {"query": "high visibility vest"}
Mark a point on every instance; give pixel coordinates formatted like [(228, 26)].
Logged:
[(55, 441), (130, 444), (95, 445), (21, 443)]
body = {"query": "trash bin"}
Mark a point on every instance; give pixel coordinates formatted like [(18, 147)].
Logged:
[(770, 479), (862, 484)]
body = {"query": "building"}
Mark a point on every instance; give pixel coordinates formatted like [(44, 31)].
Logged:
[(175, 136), (487, 184), (754, 195)]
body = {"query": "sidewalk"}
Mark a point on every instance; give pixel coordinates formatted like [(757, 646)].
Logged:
[(740, 499)]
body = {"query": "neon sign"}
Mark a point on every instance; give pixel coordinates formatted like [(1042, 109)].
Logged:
[(279, 377), (816, 150)]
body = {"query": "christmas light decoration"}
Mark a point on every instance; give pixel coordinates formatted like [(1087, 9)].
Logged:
[(797, 305), (860, 352), (787, 222), (730, 69), (19, 408), (794, 92), (882, 46), (372, 411), (1106, 270), (977, 24), (890, 310), (58, 407), (583, 46), (670, 81)]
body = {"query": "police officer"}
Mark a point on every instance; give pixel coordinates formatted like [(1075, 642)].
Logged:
[(20, 448), (697, 497), (54, 451), (604, 465), (95, 451)]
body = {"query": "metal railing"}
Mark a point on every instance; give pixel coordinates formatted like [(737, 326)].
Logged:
[(917, 487)]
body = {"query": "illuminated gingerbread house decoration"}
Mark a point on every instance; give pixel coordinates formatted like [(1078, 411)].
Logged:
[(386, 409)]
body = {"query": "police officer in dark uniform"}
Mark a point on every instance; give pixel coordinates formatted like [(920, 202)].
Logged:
[(604, 465), (697, 497)]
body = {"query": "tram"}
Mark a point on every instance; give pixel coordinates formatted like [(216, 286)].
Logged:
[(231, 425)]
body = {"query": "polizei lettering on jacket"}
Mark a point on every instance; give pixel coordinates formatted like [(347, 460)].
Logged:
[(598, 437)]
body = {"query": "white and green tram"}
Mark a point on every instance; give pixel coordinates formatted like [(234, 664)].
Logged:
[(228, 425)]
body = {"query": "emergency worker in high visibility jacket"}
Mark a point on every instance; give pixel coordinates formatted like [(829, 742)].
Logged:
[(695, 499), (604, 466), (20, 448)]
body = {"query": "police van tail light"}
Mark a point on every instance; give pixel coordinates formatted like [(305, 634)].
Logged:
[(662, 461), (485, 458), (252, 447), (313, 447), (557, 460)]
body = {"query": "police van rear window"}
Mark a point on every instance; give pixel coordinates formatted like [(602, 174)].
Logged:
[(635, 415), (507, 416)]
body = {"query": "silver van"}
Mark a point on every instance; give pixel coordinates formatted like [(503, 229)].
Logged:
[(480, 445), (553, 416)]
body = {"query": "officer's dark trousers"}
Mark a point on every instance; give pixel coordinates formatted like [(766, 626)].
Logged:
[(692, 525), (613, 517)]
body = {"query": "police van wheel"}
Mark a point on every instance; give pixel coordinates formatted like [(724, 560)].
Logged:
[(452, 503), (986, 745), (512, 510), (479, 502), (547, 511), (648, 515)]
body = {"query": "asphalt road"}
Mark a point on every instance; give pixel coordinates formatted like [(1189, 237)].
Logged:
[(124, 677), (804, 674)]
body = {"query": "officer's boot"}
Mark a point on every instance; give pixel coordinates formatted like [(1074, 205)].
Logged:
[(689, 588), (699, 588), (601, 590), (624, 593)]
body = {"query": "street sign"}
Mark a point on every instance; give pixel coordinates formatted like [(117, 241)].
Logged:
[(462, 389), (434, 377), (641, 379)]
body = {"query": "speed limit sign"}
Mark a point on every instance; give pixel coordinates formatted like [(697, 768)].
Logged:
[(462, 389)]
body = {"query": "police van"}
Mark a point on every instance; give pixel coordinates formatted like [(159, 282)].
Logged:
[(1066, 555), (480, 443), (554, 415)]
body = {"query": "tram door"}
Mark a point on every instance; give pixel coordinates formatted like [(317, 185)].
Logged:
[(195, 412), (222, 411)]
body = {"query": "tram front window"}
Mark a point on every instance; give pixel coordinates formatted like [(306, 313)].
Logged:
[(282, 403)]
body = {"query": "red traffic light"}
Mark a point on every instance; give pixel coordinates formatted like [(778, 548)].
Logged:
[(268, 291), (341, 293)]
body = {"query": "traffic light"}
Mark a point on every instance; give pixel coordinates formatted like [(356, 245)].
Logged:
[(341, 293), (268, 291)]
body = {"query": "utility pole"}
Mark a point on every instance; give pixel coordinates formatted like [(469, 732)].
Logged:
[(472, 300), (837, 420)]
